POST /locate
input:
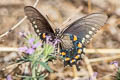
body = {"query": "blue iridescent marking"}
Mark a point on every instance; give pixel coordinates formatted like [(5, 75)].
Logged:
[(71, 36)]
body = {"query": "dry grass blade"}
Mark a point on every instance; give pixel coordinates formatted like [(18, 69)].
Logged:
[(89, 67), (75, 75)]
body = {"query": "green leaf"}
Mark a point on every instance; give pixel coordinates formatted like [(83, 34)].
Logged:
[(48, 49), (46, 66), (36, 62), (25, 59)]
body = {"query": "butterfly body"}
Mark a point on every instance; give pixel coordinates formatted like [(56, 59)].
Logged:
[(73, 38)]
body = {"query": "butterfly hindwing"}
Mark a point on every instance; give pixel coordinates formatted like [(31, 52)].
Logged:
[(72, 50), (38, 21), (78, 35), (66, 42)]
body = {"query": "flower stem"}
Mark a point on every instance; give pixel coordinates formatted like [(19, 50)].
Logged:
[(34, 73)]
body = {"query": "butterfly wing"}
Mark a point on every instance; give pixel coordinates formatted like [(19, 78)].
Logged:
[(38, 21), (77, 34), (66, 42), (84, 28)]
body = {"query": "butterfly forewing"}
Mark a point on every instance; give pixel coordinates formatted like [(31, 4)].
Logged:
[(85, 27), (38, 21)]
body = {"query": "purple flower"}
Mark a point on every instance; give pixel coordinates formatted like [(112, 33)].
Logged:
[(31, 40), (36, 45), (94, 76), (23, 34), (56, 41), (115, 64), (48, 38), (22, 49), (9, 77), (30, 51)]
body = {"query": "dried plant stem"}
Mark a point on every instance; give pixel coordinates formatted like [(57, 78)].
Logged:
[(103, 51), (88, 51), (8, 49), (89, 6), (104, 58), (35, 4), (11, 66), (75, 75), (89, 67), (16, 25), (71, 18), (107, 76)]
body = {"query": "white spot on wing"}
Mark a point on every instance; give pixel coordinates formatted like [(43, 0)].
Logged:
[(82, 55), (39, 34), (93, 28), (33, 22), (84, 49), (87, 36), (88, 41), (35, 26), (83, 40), (37, 31), (90, 32)]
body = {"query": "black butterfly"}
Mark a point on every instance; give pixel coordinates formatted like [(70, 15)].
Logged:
[(72, 38)]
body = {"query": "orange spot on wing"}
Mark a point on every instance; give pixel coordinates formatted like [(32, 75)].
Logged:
[(79, 51), (73, 60), (74, 38), (43, 35), (63, 53), (76, 57), (79, 45), (67, 59)]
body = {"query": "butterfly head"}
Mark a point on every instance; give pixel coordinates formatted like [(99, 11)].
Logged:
[(57, 31)]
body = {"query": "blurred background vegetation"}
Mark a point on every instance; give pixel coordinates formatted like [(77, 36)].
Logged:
[(107, 40)]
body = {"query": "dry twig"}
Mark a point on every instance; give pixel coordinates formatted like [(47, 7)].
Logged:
[(103, 51), (89, 67), (104, 58), (15, 26), (88, 51), (75, 75), (89, 6)]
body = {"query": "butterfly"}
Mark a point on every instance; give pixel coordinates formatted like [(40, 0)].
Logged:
[(73, 37)]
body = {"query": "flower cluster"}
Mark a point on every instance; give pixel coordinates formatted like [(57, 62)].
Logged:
[(32, 44), (37, 52), (9, 77), (115, 63), (117, 70), (94, 76), (30, 49), (51, 41)]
